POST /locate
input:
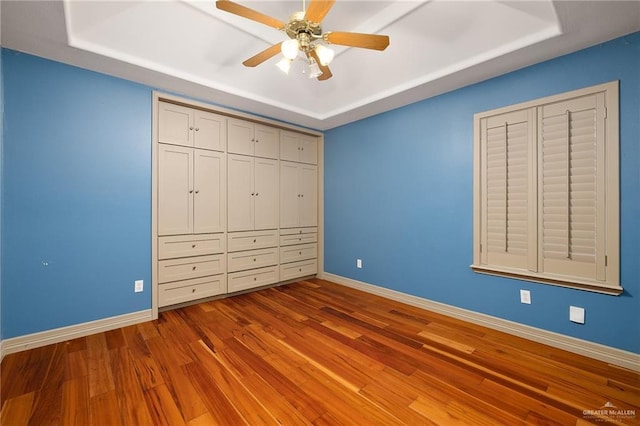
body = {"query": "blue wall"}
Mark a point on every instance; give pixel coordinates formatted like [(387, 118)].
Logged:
[(76, 208), (399, 195)]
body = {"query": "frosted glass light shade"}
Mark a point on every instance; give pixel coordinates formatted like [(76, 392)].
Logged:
[(290, 48), (314, 69), (285, 65), (325, 54)]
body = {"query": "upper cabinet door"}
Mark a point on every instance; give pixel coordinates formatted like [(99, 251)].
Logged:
[(209, 192), (175, 190), (210, 130), (289, 147), (240, 137), (298, 147), (175, 124), (308, 149), (266, 141)]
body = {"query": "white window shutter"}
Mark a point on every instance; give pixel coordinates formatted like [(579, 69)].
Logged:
[(572, 186), (508, 204)]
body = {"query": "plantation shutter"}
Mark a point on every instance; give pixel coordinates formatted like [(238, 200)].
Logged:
[(572, 185), (508, 205)]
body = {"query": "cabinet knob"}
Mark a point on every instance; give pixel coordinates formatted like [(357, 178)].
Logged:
[(253, 139), (190, 127), (193, 268), (254, 259), (254, 278), (193, 290), (254, 240), (197, 191), (256, 194), (300, 253), (193, 246), (191, 191), (253, 193), (197, 129)]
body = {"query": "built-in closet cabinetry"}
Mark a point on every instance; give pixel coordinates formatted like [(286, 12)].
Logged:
[(253, 179), (235, 205), (191, 204), (298, 205)]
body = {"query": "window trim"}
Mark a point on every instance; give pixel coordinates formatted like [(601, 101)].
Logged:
[(612, 284)]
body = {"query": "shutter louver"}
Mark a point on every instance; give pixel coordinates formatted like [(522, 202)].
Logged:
[(569, 186)]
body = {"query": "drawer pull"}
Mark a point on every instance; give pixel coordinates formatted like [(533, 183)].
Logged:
[(193, 290), (299, 252), (300, 269), (255, 278), (254, 259), (193, 268), (193, 246), (254, 240)]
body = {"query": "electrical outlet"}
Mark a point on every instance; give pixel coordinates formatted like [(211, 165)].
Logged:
[(359, 263), (525, 297), (576, 314), (138, 286)]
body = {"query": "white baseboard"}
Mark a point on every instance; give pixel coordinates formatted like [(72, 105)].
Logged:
[(597, 351), (43, 338)]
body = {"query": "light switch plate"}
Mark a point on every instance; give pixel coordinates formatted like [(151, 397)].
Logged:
[(139, 286), (525, 297), (576, 314), (358, 263)]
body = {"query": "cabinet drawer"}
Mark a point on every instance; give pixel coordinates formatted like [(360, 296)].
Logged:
[(238, 241), (254, 278), (190, 245), (300, 252), (292, 231), (293, 270), (287, 240), (190, 267), (187, 290), (251, 259)]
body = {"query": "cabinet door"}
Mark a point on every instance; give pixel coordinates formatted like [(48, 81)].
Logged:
[(175, 124), (240, 199), (289, 195), (308, 181), (266, 141), (209, 194), (210, 130), (175, 190), (289, 146), (240, 139), (266, 193), (308, 149)]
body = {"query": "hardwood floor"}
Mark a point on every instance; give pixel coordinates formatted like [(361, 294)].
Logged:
[(316, 353)]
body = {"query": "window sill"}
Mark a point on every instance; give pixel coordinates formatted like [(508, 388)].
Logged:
[(560, 281)]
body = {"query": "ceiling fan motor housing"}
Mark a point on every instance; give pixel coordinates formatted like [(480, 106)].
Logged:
[(302, 30)]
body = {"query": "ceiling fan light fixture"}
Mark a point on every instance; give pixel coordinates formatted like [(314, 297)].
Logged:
[(314, 69), (325, 54), (285, 65), (290, 48)]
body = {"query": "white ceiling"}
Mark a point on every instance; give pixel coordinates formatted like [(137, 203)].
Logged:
[(192, 48)]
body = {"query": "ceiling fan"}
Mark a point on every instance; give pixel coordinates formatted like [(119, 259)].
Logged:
[(306, 36)]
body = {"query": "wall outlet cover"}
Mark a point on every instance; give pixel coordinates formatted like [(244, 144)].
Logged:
[(525, 297), (576, 314), (139, 286)]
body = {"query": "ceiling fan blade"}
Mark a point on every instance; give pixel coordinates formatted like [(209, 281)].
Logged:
[(326, 72), (318, 9), (367, 41), (245, 12), (267, 53)]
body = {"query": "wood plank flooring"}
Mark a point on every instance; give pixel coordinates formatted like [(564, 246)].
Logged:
[(310, 353)]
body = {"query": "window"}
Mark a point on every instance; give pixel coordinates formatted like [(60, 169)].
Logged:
[(546, 190)]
